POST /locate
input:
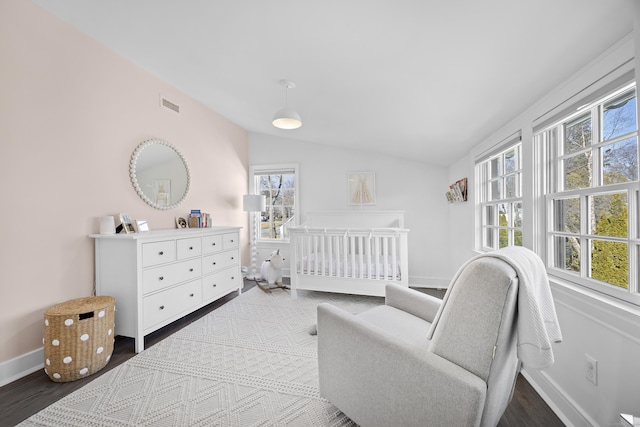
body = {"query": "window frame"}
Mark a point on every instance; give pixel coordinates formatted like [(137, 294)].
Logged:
[(549, 164), (486, 181), (272, 169)]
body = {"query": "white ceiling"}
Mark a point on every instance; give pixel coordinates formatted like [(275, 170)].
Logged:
[(419, 79)]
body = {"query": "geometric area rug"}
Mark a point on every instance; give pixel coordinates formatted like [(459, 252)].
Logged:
[(250, 362)]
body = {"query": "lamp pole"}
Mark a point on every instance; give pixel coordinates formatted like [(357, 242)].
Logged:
[(254, 203)]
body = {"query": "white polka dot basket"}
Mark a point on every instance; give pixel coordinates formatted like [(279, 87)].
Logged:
[(78, 337)]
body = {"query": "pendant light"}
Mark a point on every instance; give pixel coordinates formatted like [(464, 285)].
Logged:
[(287, 118)]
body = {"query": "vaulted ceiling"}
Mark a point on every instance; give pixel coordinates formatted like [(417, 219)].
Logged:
[(418, 79)]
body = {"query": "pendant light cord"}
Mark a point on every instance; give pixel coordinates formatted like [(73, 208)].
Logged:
[(286, 96)]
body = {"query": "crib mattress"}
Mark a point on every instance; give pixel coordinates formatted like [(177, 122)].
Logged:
[(335, 266)]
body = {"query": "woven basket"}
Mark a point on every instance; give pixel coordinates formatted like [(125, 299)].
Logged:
[(78, 337)]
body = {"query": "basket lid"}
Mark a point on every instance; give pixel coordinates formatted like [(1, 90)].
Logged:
[(80, 305)]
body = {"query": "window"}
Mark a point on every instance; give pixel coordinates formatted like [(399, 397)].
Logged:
[(590, 164), (279, 185), (500, 197)]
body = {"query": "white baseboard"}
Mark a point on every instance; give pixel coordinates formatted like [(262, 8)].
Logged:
[(564, 407), (21, 366)]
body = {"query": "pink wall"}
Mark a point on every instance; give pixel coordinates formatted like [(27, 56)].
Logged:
[(71, 114)]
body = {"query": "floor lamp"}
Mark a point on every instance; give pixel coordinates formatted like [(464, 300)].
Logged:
[(254, 203)]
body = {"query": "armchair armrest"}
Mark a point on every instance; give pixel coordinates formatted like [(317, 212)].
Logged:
[(413, 302), (378, 380)]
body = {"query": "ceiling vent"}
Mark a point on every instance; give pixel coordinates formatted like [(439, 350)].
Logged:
[(170, 105)]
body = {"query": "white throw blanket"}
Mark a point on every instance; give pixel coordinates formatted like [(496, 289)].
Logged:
[(538, 323)]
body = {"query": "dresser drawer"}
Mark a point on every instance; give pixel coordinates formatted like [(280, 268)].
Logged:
[(188, 248), (220, 283), (216, 262), (156, 278), (171, 302), (231, 240), (211, 244), (158, 253)]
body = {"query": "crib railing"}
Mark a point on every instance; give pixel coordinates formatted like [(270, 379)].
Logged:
[(372, 254)]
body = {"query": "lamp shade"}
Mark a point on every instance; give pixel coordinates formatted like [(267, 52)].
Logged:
[(254, 203), (287, 118)]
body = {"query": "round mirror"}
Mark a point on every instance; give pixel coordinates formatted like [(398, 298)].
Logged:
[(160, 174)]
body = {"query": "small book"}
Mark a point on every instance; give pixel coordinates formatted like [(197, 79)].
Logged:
[(195, 218), (193, 222)]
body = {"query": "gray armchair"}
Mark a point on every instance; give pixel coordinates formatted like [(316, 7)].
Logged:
[(380, 368)]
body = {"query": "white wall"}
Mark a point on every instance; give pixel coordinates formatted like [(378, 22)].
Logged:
[(401, 185), (461, 216), (591, 324)]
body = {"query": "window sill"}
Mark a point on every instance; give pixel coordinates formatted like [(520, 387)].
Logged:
[(598, 306)]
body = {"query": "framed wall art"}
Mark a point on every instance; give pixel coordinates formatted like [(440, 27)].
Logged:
[(361, 188)]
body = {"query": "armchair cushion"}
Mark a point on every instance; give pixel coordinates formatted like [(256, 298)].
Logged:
[(473, 318), (403, 325)]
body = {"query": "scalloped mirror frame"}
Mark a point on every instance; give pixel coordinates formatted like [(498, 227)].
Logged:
[(134, 180)]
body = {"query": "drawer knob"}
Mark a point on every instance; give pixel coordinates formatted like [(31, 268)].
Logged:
[(162, 307), (231, 240), (161, 253), (190, 248), (232, 277), (213, 244), (214, 285), (214, 263), (232, 258), (190, 295), (191, 269), (161, 278)]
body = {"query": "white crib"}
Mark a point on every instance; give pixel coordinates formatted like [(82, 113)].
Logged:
[(349, 252)]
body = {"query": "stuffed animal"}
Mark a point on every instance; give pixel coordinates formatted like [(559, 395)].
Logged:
[(271, 269)]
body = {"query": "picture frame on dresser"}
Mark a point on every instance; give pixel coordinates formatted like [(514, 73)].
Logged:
[(126, 223), (142, 225), (181, 222)]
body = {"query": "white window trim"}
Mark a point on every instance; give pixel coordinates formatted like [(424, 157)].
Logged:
[(481, 197), (545, 195), (260, 170)]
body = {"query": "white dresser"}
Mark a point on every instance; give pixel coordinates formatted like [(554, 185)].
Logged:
[(160, 276)]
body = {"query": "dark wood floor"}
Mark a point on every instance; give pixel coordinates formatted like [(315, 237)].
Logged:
[(28, 395)]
